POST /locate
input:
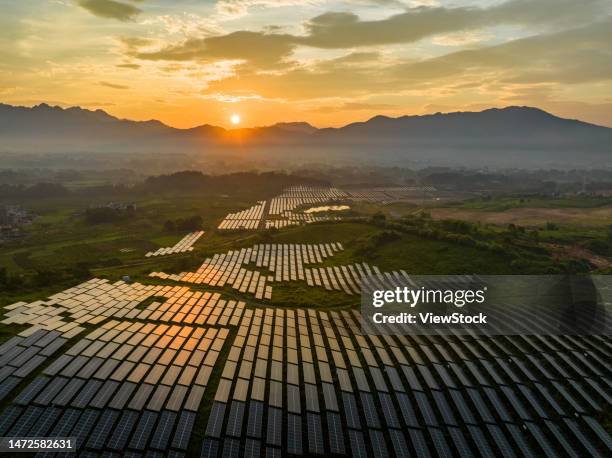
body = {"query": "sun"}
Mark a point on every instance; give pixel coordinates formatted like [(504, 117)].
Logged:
[(235, 119)]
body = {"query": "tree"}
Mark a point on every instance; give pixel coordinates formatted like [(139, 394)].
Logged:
[(169, 226), (379, 217)]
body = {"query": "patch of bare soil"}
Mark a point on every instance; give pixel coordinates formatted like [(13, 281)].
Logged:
[(578, 252)]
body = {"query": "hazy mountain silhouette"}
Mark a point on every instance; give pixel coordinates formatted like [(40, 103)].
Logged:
[(490, 135)]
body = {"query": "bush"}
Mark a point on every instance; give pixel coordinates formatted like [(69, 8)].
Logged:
[(107, 214), (192, 223), (551, 226)]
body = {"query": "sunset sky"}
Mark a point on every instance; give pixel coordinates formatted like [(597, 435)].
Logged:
[(192, 62)]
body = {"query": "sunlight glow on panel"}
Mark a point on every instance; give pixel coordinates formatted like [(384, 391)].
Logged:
[(235, 119)]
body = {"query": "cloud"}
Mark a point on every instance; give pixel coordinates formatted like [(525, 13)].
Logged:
[(355, 106), (132, 66), (345, 30), (461, 38), (571, 56), (111, 9), (113, 85), (264, 50), (575, 56)]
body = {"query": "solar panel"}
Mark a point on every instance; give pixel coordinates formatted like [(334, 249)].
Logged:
[(215, 419), (549, 398), (599, 431), (231, 448), (500, 409), (360, 378), (400, 447), (369, 409), (272, 452), (388, 410), (540, 439), (481, 442), (104, 393), (8, 417), (180, 440), (500, 442), (428, 377), (460, 444), (98, 437), (413, 380), (293, 399), (312, 397), (161, 436), (122, 396), (29, 392), (561, 439), (482, 409), (358, 447), (586, 444), (335, 432), (275, 425), (7, 386), (157, 400), (194, 398), (252, 448), (378, 443), (329, 396), (315, 434), (84, 425), (276, 394), (234, 421), (518, 435), (88, 370), (210, 448), (119, 438), (444, 408), (52, 389), (65, 423), (44, 422), (294, 434), (583, 394), (25, 422), (425, 409), (516, 403), (350, 411), (143, 430), (254, 423), (418, 441), (175, 401)]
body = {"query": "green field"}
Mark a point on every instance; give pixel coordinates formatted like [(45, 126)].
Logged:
[(62, 249)]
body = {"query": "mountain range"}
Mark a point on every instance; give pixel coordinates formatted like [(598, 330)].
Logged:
[(494, 135)]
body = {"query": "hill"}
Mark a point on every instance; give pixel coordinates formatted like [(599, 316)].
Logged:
[(495, 136)]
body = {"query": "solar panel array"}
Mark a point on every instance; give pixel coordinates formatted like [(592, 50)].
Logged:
[(295, 219), (306, 382), (286, 262), (125, 386), (282, 210), (247, 219), (182, 246), (295, 196), (289, 381), (388, 194), (86, 304)]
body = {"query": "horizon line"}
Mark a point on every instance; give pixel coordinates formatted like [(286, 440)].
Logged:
[(66, 107)]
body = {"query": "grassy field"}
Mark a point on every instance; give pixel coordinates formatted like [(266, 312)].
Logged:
[(61, 239), (531, 217)]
